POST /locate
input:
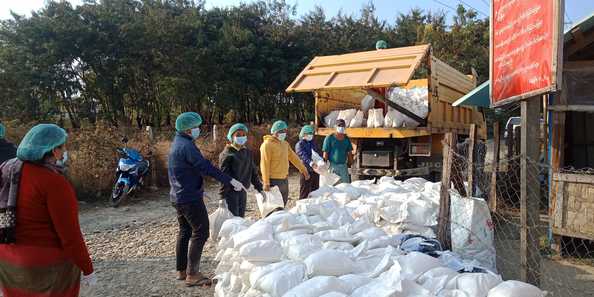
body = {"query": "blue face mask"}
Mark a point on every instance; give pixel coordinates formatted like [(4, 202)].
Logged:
[(195, 133), (241, 140)]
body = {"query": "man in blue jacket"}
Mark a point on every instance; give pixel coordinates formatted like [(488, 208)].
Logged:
[(187, 166), (7, 149)]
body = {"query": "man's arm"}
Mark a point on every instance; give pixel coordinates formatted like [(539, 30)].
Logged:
[(326, 147), (195, 158), (265, 164)]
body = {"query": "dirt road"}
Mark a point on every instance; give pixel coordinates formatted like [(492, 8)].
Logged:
[(133, 247)]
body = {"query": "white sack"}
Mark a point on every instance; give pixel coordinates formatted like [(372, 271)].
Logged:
[(301, 246), (436, 279), (367, 103), (414, 264), (281, 279), (317, 286), (370, 233), (330, 119), (329, 262), (347, 115), (334, 294), (270, 202), (232, 226), (337, 245), (354, 281), (259, 231), (217, 218), (261, 251), (357, 120), (335, 235), (475, 284), (514, 288), (472, 230)]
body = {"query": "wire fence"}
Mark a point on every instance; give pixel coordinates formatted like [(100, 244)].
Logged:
[(550, 244)]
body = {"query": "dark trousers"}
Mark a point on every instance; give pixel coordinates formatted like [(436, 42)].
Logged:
[(236, 202), (283, 186), (308, 186), (193, 232)]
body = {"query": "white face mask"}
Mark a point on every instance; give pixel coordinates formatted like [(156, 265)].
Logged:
[(282, 136), (340, 130), (195, 133), (241, 140), (62, 162), (308, 137)]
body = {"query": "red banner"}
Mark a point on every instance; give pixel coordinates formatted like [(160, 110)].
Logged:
[(523, 48)]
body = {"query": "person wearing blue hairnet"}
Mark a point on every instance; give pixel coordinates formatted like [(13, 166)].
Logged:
[(237, 161), (7, 149), (305, 148), (186, 169), (42, 250)]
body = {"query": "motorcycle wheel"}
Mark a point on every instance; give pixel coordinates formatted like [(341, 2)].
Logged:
[(119, 194)]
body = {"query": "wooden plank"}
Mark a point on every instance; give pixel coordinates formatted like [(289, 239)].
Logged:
[(582, 108), (569, 233), (494, 167), (574, 178), (470, 170), (443, 227), (529, 192), (509, 142), (559, 209)]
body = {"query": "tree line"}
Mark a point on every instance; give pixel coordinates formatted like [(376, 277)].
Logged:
[(141, 62)]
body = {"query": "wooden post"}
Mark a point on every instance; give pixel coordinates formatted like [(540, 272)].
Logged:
[(494, 168), (470, 167), (444, 230), (509, 141), (530, 191)]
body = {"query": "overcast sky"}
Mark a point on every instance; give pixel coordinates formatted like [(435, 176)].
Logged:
[(386, 9)]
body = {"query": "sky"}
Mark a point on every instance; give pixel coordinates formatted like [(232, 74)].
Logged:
[(576, 10)]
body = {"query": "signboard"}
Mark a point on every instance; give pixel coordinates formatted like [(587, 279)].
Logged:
[(525, 48)]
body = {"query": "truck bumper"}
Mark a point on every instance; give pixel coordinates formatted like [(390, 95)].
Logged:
[(421, 171)]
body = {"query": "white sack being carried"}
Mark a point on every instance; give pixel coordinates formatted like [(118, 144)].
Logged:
[(217, 218), (329, 262), (472, 230), (357, 120), (261, 251), (270, 203), (415, 100), (347, 115), (330, 119), (258, 231), (318, 286), (514, 288), (278, 280)]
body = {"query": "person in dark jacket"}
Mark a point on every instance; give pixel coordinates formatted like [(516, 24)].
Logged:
[(237, 161), (186, 168), (7, 149), (304, 148)]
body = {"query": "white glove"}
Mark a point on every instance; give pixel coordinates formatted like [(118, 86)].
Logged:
[(89, 280), (237, 186)]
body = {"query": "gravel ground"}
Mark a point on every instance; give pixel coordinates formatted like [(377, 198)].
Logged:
[(133, 247)]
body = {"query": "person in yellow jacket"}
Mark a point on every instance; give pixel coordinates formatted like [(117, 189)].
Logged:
[(275, 155)]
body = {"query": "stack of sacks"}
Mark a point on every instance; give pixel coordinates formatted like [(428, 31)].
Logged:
[(352, 240), (415, 100)]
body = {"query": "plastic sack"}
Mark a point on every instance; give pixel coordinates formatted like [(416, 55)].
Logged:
[(436, 279), (273, 201), (375, 119), (514, 288), (415, 264), (354, 281), (472, 230), (415, 100), (390, 118), (330, 119), (357, 120), (334, 294), (367, 103), (317, 286), (261, 251), (217, 218), (475, 284), (232, 226), (279, 280), (337, 245), (301, 246), (329, 262), (347, 115), (258, 231)]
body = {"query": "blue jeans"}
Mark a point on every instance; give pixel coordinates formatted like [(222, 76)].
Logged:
[(341, 170)]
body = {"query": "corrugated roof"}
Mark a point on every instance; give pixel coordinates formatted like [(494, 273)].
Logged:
[(479, 96), (379, 68), (584, 25)]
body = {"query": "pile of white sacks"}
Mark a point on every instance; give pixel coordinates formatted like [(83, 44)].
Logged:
[(350, 240)]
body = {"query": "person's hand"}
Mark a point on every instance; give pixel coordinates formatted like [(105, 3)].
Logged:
[(89, 280), (314, 166), (237, 186), (306, 175), (266, 188)]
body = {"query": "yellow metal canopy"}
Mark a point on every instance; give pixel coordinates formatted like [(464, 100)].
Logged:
[(379, 68)]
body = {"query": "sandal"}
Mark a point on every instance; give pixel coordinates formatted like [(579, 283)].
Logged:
[(200, 282)]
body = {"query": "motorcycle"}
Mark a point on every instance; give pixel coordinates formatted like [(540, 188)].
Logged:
[(131, 170)]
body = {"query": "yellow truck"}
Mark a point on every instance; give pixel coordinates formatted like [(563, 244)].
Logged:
[(341, 82)]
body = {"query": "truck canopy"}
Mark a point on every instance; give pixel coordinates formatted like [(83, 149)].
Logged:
[(371, 69)]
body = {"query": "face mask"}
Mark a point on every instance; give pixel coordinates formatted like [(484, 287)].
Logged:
[(308, 137), (340, 130), (282, 136), (241, 140), (195, 133), (64, 159)]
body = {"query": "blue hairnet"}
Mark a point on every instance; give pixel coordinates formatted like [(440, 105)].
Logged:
[(2, 131), (277, 126), (39, 140), (307, 129), (381, 44), (187, 120), (234, 128)]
